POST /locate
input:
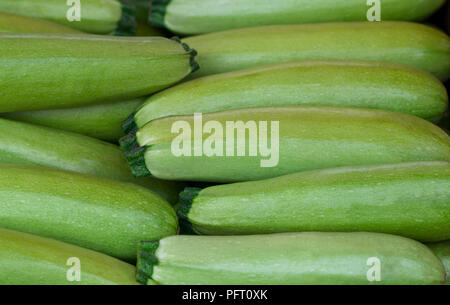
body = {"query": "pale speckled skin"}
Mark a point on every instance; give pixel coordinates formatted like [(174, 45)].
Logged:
[(47, 71), (198, 17), (309, 138), (99, 121), (294, 258), (23, 143), (399, 42), (27, 259), (97, 16), (311, 83), (442, 250), (96, 213), (409, 199), (15, 23)]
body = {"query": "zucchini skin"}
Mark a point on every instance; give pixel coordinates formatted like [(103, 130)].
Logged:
[(214, 16), (15, 23), (305, 83), (97, 16), (408, 199), (23, 143), (309, 138), (399, 42), (442, 250), (125, 68), (287, 259), (101, 121), (100, 214), (27, 259)]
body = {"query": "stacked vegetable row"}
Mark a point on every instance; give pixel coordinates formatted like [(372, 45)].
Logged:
[(358, 150)]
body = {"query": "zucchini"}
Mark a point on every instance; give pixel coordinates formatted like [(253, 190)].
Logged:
[(101, 121), (214, 16), (406, 43), (288, 259), (15, 23), (22, 143), (90, 69), (96, 213), (408, 199), (304, 138), (96, 16), (27, 259), (442, 250), (313, 83)]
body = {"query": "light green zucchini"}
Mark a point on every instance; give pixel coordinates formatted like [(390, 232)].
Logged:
[(314, 83), (22, 143), (442, 250), (96, 16), (214, 16), (408, 199), (46, 71), (289, 259), (15, 23), (406, 43), (92, 212), (27, 259), (300, 138), (101, 121)]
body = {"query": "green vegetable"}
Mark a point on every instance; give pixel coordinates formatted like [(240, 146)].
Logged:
[(442, 250), (15, 23), (92, 212), (32, 260), (96, 16), (399, 42), (198, 17), (22, 143), (315, 83), (295, 139), (408, 199), (43, 71), (99, 121), (289, 258)]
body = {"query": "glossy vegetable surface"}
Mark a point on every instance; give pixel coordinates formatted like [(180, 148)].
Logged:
[(89, 70), (408, 199), (32, 260), (198, 17), (259, 143), (406, 43), (22, 143), (310, 83), (93, 16), (95, 213), (289, 259)]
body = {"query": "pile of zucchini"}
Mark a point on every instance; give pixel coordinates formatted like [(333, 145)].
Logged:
[(91, 191)]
